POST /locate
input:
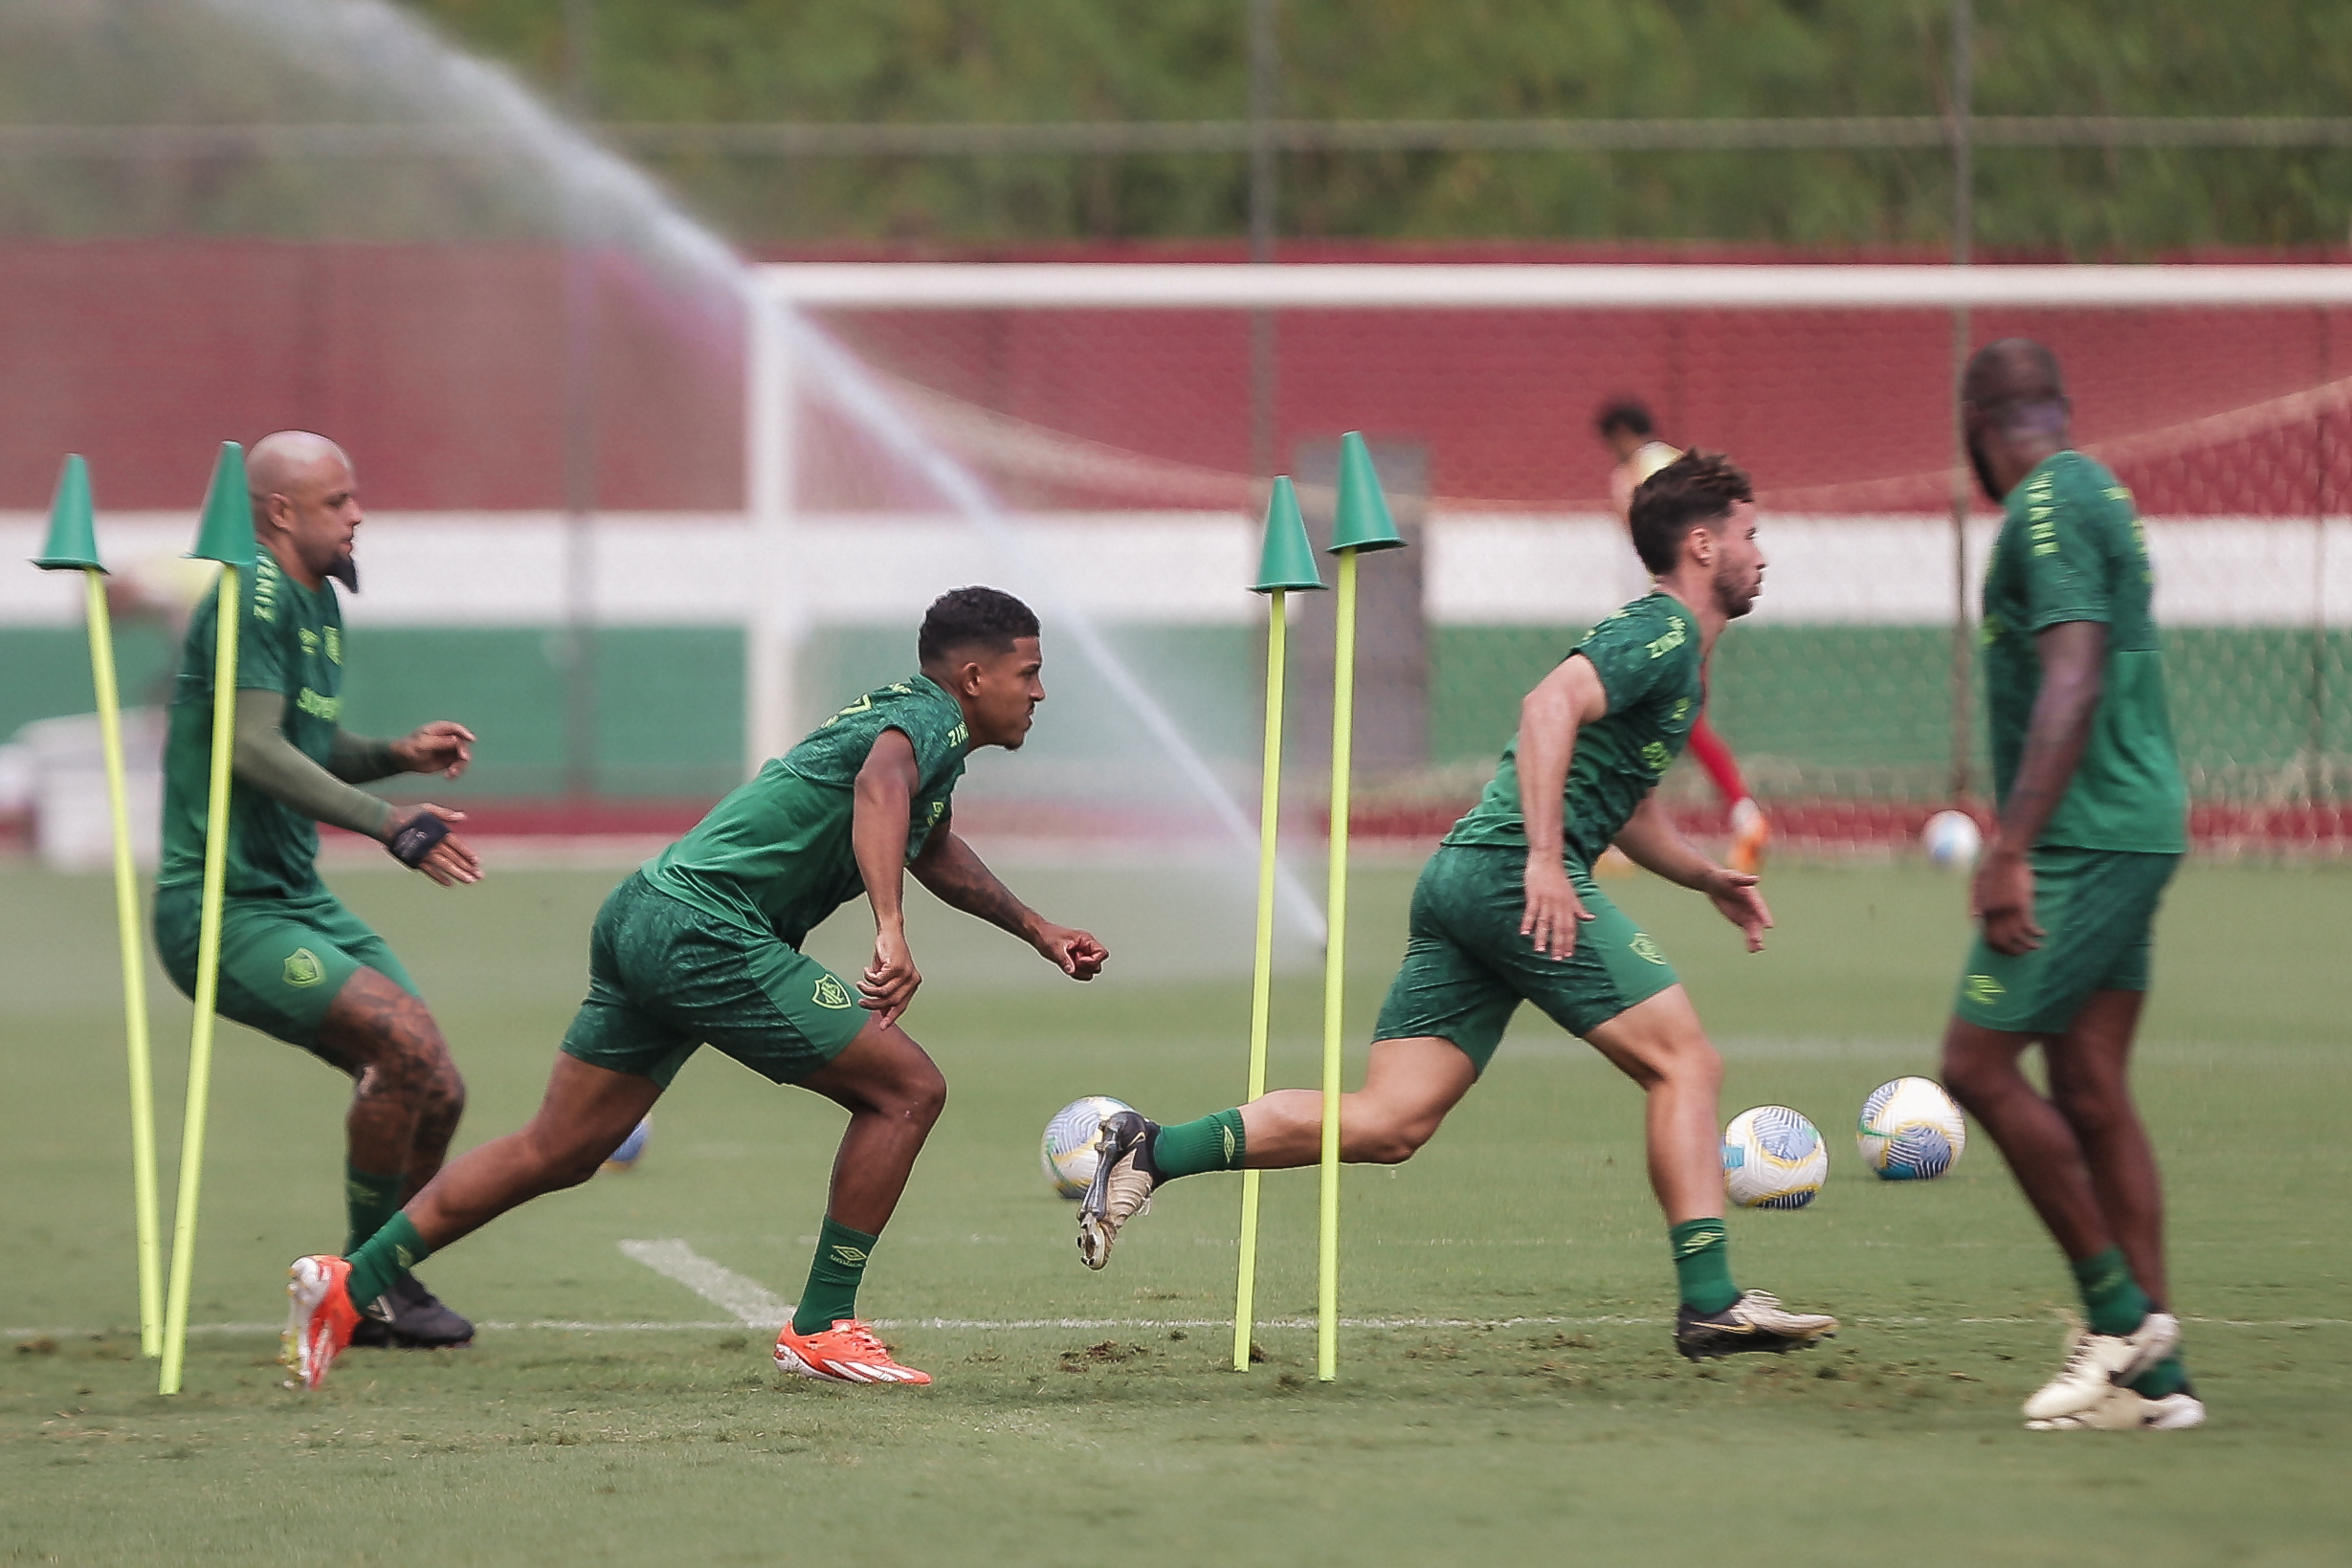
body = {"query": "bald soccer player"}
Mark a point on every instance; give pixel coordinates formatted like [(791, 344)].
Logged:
[(2094, 820), (1625, 428), (294, 963)]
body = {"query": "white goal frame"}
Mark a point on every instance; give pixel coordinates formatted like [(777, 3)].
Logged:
[(778, 291)]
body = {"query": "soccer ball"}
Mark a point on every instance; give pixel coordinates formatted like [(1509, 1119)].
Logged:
[(632, 1147), (1072, 1146), (1773, 1159), (1911, 1130), (1952, 838)]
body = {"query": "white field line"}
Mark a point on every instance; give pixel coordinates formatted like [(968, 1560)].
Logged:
[(567, 1325), (752, 1303)]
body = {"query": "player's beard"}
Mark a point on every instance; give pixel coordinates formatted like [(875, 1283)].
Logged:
[(344, 569), (1734, 597)]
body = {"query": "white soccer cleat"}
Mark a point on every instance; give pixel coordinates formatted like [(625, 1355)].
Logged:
[(2098, 1363), (1122, 1187), (2124, 1410)]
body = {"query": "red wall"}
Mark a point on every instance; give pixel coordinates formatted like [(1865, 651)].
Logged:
[(442, 369)]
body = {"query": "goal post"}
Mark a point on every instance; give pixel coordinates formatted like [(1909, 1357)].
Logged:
[(1106, 413)]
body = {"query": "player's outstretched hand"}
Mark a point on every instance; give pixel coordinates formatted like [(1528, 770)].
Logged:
[(2001, 896), (889, 982), (450, 860), (1077, 952), (1553, 909), (1741, 902), (440, 747)]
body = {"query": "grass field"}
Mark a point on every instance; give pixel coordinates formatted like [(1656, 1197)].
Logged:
[(1507, 1394)]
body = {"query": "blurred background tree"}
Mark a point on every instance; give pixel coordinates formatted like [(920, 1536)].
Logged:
[(1046, 60)]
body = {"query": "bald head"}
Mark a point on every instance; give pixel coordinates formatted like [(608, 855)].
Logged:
[(2016, 410), (306, 510)]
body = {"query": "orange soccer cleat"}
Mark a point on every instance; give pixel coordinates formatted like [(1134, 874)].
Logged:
[(846, 1353), (320, 1317)]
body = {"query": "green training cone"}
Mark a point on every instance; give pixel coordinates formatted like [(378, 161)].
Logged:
[(73, 528), (1364, 522), (226, 534), (1288, 561)]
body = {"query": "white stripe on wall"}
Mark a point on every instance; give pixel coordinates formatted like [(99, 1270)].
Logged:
[(508, 569)]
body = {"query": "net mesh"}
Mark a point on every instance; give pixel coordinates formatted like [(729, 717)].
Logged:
[(1839, 695)]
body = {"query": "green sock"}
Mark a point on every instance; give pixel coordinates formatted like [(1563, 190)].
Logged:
[(2111, 1298), (832, 1292), (1212, 1143), (368, 1200), (1703, 1265), (2166, 1377), (383, 1258)]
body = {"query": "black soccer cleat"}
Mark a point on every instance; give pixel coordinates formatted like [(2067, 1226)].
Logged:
[(1122, 1185), (408, 1316), (1756, 1321)]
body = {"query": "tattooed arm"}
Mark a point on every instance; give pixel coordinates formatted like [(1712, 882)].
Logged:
[(958, 879)]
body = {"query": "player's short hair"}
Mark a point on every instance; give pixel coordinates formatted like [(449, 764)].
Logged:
[(1695, 491), (973, 618), (1623, 413)]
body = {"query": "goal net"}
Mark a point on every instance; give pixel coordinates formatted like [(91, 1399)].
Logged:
[(1098, 436)]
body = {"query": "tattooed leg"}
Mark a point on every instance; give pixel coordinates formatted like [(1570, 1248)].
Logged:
[(407, 1095)]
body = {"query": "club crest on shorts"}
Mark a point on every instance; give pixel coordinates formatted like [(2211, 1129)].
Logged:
[(1645, 949), (303, 968), (831, 993), (1982, 990)]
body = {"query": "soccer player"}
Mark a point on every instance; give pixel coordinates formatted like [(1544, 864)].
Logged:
[(701, 945), (1507, 912), (1625, 428), (2093, 822), (294, 963)]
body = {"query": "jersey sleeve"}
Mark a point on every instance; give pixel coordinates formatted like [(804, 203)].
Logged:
[(264, 630), (2065, 568), (1637, 655)]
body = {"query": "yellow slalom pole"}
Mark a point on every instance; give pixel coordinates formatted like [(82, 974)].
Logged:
[(208, 983), (134, 976), (1335, 968), (1261, 984)]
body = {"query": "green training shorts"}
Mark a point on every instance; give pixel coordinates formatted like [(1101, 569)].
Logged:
[(1467, 968), (2097, 909), (283, 960), (665, 979)]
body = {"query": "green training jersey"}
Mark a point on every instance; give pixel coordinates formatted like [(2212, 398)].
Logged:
[(2072, 548), (1647, 655), (289, 641), (775, 855)]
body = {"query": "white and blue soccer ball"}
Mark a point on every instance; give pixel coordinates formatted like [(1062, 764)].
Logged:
[(1911, 1130), (632, 1147), (1952, 839), (1073, 1143), (1773, 1159)]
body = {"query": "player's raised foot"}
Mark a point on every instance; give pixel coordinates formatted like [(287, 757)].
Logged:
[(1122, 1187), (2122, 1409), (408, 1316), (2097, 1364), (1749, 832), (1756, 1321), (320, 1317), (846, 1353)]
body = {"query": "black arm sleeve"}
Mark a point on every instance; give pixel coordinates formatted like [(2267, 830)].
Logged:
[(266, 759)]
